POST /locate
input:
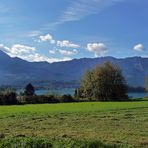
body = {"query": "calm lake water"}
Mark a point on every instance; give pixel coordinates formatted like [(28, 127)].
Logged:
[(137, 95), (57, 91), (71, 91)]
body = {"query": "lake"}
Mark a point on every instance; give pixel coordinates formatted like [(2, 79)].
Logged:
[(138, 95), (71, 92), (56, 91)]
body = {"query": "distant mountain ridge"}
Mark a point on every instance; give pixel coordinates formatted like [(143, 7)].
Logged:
[(14, 71)]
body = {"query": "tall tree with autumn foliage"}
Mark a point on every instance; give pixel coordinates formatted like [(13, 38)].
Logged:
[(103, 83)]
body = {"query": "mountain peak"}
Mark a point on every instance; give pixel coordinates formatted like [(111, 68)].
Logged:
[(3, 55), (17, 71)]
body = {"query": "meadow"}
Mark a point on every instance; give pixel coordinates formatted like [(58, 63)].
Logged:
[(86, 124)]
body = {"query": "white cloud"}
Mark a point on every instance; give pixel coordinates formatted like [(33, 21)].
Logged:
[(1, 46), (80, 9), (139, 47), (21, 50), (98, 49), (4, 48), (47, 38), (64, 52), (29, 53), (38, 58), (51, 60), (66, 43), (68, 52), (52, 51), (34, 33)]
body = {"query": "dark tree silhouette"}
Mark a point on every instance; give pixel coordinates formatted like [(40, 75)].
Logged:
[(8, 97), (29, 90)]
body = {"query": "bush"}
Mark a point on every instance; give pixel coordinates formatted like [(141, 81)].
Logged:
[(37, 99), (45, 99), (67, 98), (8, 98)]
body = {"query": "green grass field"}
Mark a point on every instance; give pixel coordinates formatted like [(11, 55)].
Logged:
[(95, 124)]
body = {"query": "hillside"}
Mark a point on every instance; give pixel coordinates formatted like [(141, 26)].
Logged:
[(15, 71)]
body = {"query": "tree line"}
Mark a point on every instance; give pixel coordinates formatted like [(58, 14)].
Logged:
[(103, 83), (9, 97)]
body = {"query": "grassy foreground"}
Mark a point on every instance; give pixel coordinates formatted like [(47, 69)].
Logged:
[(95, 124)]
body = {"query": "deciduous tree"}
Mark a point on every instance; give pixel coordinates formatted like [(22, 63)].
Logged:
[(104, 83)]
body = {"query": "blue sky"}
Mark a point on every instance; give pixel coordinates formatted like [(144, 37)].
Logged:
[(59, 30)]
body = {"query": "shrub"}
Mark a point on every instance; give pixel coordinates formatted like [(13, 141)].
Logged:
[(8, 98), (37, 99), (67, 98)]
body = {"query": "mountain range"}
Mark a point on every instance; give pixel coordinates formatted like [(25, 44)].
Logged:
[(15, 71)]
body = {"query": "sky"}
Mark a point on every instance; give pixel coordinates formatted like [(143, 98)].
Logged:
[(61, 30)]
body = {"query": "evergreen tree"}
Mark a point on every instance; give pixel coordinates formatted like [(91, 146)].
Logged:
[(29, 90)]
